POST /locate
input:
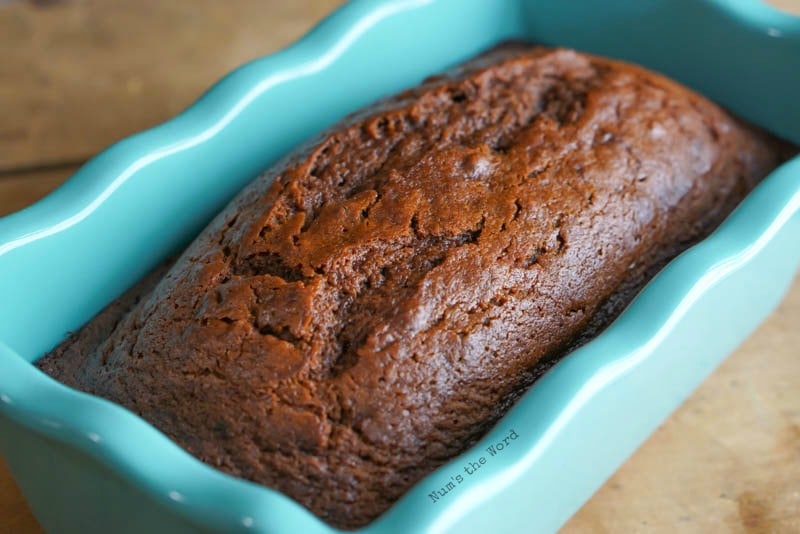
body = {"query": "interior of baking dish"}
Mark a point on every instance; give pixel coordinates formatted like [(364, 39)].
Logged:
[(87, 465)]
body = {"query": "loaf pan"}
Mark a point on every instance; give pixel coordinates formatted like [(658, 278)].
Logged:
[(87, 465)]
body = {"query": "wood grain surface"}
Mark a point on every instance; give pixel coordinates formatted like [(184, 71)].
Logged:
[(76, 76)]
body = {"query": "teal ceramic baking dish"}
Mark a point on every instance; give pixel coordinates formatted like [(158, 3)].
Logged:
[(86, 465)]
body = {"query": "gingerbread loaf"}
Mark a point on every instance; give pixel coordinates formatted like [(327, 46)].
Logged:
[(370, 306)]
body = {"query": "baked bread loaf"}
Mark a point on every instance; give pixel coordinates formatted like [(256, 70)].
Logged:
[(370, 306)]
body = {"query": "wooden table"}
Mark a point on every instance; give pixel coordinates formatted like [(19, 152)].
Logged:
[(76, 76)]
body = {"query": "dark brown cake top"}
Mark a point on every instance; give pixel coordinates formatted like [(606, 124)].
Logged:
[(342, 332)]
